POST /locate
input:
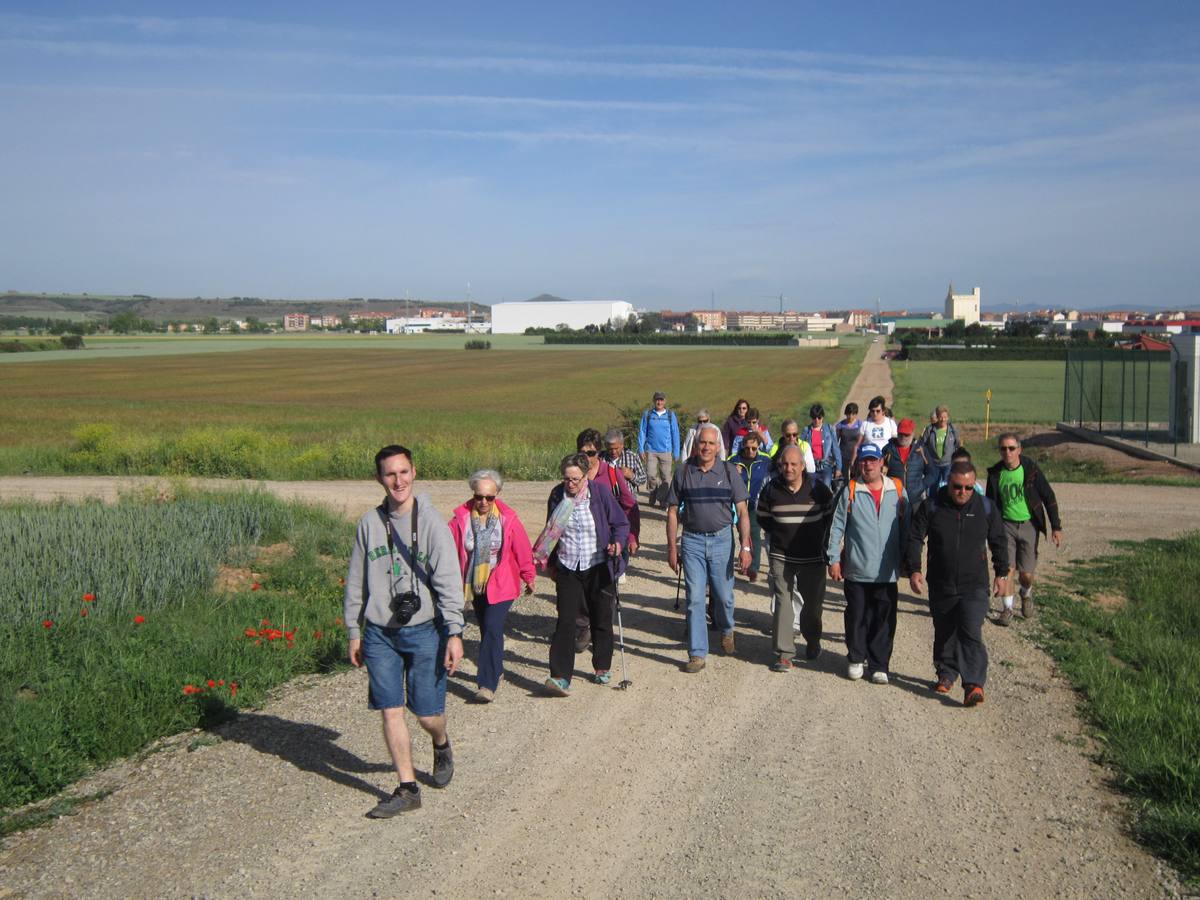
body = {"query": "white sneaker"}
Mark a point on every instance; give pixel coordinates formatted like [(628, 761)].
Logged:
[(621, 580), (855, 672), (879, 678)]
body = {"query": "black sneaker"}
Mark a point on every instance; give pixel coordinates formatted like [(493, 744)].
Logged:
[(443, 766), (402, 800), (812, 651)]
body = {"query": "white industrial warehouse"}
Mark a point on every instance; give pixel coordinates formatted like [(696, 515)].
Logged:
[(515, 317)]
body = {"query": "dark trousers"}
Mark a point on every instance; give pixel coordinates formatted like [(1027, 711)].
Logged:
[(870, 623), (490, 617), (593, 589), (958, 635), (809, 580)]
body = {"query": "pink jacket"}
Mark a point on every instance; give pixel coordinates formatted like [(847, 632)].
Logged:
[(515, 563)]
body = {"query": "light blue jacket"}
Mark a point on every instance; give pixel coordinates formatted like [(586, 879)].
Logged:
[(659, 434), (874, 541)]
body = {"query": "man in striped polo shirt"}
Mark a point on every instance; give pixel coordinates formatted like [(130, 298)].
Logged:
[(794, 510)]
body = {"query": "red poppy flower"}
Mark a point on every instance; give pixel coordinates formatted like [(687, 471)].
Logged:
[(138, 620), (250, 632), (89, 597), (47, 623), (233, 689), (258, 643), (190, 689), (266, 622), (211, 683), (318, 635), (256, 586), (221, 683), (290, 635), (338, 621)]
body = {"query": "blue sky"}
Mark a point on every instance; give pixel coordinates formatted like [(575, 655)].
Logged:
[(656, 153)]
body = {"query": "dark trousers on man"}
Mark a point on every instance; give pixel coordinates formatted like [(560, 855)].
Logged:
[(809, 580), (958, 634), (591, 589), (870, 623), (490, 617)]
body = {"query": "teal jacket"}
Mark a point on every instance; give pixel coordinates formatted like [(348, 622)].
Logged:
[(874, 540)]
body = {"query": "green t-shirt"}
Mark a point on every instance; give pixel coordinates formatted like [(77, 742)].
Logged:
[(1013, 507), (939, 440)]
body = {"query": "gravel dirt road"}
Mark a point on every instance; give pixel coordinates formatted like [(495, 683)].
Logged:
[(733, 782)]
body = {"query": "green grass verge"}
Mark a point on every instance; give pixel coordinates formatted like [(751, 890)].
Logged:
[(115, 629), (1137, 667)]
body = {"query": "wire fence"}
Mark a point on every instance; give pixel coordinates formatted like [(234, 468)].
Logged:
[(1128, 395)]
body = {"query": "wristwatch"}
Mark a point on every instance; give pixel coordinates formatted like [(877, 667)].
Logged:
[(747, 549)]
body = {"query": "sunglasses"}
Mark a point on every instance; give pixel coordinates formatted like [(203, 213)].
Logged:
[(961, 488), (702, 421), (791, 434), (589, 452), (1008, 448), (488, 497)]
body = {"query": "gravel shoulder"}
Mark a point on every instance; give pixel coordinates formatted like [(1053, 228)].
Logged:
[(737, 781)]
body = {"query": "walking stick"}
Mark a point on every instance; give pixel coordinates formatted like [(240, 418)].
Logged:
[(625, 682)]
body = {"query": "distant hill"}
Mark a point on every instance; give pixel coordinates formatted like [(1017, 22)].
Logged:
[(169, 309)]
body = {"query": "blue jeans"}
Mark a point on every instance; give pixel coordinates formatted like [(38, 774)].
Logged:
[(406, 667), (491, 640), (824, 474), (707, 561)]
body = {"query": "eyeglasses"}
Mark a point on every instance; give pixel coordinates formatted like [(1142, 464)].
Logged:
[(875, 409), (961, 488), (1008, 448), (569, 480), (702, 421), (488, 497), (589, 452), (791, 434)]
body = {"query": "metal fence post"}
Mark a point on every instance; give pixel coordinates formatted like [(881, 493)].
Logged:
[(1122, 432), (1100, 408), (1066, 412), (1147, 410)]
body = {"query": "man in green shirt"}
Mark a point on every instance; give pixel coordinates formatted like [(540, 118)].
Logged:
[(1026, 502)]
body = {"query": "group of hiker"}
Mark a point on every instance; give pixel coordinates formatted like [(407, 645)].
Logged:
[(856, 502)]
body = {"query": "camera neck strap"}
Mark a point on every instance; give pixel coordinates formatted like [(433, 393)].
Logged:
[(391, 540)]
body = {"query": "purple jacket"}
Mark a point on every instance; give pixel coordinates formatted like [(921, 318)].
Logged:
[(611, 522)]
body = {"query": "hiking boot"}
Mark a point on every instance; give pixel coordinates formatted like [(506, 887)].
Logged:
[(1005, 618), (944, 684), (1028, 611), (583, 637), (443, 765), (484, 695), (557, 687), (782, 664), (972, 695), (879, 678), (402, 800), (602, 677), (812, 651), (855, 671), (727, 644), (694, 664)]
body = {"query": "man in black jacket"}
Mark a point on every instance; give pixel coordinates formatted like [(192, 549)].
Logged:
[(1026, 501), (961, 527)]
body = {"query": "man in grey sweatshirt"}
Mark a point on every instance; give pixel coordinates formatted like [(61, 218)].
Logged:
[(404, 619)]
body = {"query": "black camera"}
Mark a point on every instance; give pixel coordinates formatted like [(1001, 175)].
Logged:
[(405, 606)]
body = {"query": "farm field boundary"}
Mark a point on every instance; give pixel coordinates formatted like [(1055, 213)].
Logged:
[(321, 413)]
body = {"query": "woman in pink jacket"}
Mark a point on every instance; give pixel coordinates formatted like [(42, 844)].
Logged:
[(495, 557)]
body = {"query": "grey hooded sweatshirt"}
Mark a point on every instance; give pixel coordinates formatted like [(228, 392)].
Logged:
[(438, 580)]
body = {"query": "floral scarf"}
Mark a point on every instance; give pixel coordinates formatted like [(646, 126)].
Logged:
[(556, 526), (483, 547)]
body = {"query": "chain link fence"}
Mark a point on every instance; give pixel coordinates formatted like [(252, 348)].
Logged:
[(1127, 394)]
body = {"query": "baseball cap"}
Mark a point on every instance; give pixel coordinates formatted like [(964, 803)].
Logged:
[(869, 451), (905, 426), (659, 395)]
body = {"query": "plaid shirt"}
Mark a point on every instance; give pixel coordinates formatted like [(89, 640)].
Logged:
[(630, 460), (577, 548)]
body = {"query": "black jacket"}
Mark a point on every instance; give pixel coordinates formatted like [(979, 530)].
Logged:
[(1038, 494), (959, 538)]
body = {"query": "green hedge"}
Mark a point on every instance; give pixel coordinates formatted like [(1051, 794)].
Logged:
[(739, 339)]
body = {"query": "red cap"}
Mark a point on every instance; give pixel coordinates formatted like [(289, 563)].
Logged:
[(905, 426)]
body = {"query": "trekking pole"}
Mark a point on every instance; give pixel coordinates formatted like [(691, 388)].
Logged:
[(678, 586), (625, 682)]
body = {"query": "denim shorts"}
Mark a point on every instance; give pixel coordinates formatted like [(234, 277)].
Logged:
[(406, 667)]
